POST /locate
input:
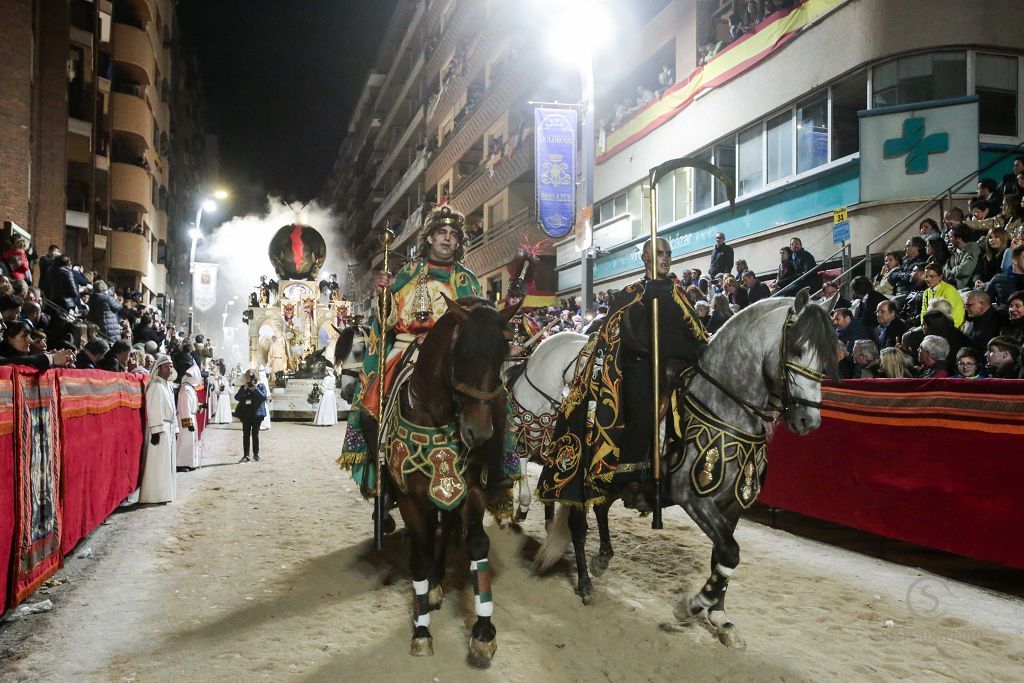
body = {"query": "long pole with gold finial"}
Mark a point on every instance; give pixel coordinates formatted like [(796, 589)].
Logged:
[(652, 263), (384, 303)]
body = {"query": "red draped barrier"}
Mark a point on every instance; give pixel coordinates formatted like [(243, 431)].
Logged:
[(7, 511), (70, 445), (101, 454), (937, 463)]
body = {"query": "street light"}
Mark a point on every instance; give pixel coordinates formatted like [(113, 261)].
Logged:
[(196, 234), (584, 25)]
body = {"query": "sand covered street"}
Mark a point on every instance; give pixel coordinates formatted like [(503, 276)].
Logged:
[(266, 571)]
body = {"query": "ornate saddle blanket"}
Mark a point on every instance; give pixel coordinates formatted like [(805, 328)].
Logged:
[(718, 444), (434, 452)]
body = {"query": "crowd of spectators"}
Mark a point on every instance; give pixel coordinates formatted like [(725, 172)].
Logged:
[(74, 319), (950, 304), (740, 24)]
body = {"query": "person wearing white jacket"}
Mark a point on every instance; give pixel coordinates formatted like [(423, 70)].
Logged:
[(158, 475), (190, 448)]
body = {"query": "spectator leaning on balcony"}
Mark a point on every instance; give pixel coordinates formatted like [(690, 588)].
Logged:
[(787, 271), (963, 263), (103, 308), (933, 354), (983, 321), (46, 263), (92, 354), (15, 348), (721, 257), (937, 288), (988, 191), (116, 358), (890, 326)]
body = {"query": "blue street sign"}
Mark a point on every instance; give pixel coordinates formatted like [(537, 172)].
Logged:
[(841, 232)]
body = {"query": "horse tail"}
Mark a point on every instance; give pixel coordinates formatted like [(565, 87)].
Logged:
[(343, 346), (556, 543)]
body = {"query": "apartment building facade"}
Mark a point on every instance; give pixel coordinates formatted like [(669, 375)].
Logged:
[(798, 111), (105, 70), (443, 119)]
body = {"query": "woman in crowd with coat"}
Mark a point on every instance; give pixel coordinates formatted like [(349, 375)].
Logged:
[(252, 408)]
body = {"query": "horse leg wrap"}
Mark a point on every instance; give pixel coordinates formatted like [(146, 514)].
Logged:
[(715, 587), (421, 603), (481, 571)]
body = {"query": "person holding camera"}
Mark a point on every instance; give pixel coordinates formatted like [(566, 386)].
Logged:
[(252, 408)]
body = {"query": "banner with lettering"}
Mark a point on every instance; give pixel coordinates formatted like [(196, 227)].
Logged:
[(555, 172), (204, 286)]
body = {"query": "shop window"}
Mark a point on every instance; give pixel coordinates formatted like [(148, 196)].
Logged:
[(996, 87)]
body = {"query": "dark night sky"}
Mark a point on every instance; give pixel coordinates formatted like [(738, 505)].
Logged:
[(280, 79)]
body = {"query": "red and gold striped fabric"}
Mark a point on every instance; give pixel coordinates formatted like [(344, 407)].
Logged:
[(991, 406), (95, 392), (6, 404), (732, 61)]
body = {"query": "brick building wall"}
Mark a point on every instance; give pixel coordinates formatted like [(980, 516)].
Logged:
[(50, 132), (15, 109)]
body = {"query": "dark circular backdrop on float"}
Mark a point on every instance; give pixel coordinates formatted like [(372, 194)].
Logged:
[(297, 252)]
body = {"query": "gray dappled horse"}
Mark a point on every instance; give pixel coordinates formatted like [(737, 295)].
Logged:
[(766, 363)]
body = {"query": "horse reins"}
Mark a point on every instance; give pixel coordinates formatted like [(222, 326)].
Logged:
[(786, 399)]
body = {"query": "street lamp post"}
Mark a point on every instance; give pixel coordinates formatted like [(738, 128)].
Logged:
[(589, 163)]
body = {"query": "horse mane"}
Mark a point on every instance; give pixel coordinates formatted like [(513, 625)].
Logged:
[(481, 340), (343, 346), (813, 330)]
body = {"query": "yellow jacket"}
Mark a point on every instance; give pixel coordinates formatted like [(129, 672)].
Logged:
[(946, 291)]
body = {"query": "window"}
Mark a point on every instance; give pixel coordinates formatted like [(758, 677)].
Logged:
[(495, 213), (684, 193), (920, 78), (703, 185), (725, 159), (848, 97), (812, 133), (779, 136), (667, 187), (750, 176), (619, 205), (636, 206), (996, 87)]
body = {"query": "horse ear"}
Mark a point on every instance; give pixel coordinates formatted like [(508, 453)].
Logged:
[(455, 308), (509, 311), (802, 297)]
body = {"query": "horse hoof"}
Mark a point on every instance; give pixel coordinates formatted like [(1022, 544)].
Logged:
[(587, 598), (598, 564), (422, 647), (434, 597), (687, 608), (482, 652), (728, 634)]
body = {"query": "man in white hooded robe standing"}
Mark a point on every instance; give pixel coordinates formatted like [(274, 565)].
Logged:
[(157, 481), (327, 411), (190, 448)]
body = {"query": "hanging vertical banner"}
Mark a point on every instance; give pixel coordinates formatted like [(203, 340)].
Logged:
[(204, 286), (555, 171)]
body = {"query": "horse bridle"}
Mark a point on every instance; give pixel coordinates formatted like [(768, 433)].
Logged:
[(786, 399)]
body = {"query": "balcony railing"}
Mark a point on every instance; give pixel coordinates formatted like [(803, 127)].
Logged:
[(401, 187), (133, 50), (497, 246)]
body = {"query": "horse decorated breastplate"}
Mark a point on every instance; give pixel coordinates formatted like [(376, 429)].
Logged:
[(717, 444), (434, 452)]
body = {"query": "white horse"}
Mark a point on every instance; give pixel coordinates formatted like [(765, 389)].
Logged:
[(536, 391)]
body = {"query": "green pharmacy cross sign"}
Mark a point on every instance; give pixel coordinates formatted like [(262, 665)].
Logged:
[(915, 145)]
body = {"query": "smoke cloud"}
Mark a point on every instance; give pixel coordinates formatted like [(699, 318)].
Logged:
[(239, 246)]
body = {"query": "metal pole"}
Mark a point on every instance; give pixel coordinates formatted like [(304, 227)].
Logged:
[(652, 263), (589, 161), (191, 275), (383, 311)]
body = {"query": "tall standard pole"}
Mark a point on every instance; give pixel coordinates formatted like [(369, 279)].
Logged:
[(589, 161), (652, 261), (191, 272)]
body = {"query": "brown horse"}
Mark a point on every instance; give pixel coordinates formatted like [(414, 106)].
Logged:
[(447, 433)]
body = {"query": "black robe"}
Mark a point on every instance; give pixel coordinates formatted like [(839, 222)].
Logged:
[(607, 419)]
